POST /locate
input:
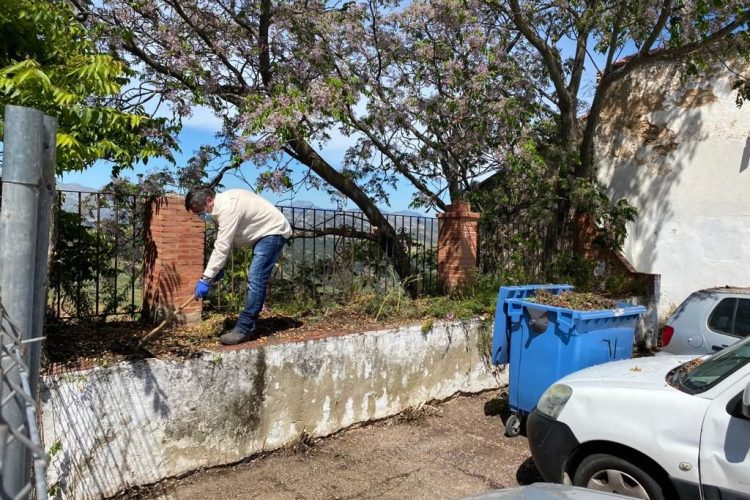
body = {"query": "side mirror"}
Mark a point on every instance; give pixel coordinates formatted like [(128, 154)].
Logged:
[(746, 401)]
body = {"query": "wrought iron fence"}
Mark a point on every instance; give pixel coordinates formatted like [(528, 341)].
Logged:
[(333, 254), (97, 261), (515, 245), (97, 265)]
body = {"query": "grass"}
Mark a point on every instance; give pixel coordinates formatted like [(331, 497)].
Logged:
[(394, 305), (303, 444), (288, 318)]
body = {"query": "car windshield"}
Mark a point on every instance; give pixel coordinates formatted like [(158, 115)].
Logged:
[(695, 376)]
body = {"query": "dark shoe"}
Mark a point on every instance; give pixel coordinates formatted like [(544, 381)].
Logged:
[(235, 336)]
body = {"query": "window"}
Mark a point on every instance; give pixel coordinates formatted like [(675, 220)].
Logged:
[(695, 376), (722, 317), (731, 317), (742, 318)]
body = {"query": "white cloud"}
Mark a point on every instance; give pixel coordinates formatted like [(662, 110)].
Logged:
[(203, 118), (338, 144)]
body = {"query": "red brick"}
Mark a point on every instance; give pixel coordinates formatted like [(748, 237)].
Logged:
[(457, 245), (176, 259)]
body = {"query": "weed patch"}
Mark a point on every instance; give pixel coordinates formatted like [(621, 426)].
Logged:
[(303, 444), (415, 414)]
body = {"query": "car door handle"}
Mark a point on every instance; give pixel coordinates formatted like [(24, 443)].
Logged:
[(718, 347)]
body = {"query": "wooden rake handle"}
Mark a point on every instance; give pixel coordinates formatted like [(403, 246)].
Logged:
[(150, 335)]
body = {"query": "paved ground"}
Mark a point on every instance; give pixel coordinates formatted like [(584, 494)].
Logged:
[(445, 451)]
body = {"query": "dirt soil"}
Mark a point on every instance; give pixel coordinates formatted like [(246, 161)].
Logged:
[(84, 345), (446, 450)]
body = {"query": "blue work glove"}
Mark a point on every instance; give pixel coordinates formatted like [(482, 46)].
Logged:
[(201, 289)]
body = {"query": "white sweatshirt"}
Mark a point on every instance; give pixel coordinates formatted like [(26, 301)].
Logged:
[(242, 218)]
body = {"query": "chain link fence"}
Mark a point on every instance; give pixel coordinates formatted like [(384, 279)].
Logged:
[(19, 434)]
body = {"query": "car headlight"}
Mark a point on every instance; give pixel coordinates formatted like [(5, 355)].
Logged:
[(553, 400)]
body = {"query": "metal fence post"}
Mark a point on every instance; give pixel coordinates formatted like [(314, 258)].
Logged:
[(22, 172), (43, 245)]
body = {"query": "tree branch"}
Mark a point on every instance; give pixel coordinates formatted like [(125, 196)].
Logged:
[(551, 61), (263, 43), (384, 149), (576, 73), (661, 22), (304, 232), (208, 40), (237, 19), (677, 53), (613, 37)]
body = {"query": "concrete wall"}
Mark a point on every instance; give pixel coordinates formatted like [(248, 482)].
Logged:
[(136, 423), (679, 152)]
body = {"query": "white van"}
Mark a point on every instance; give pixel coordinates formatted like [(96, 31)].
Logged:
[(657, 428)]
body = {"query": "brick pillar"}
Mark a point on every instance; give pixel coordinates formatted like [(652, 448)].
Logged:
[(173, 259), (457, 245)]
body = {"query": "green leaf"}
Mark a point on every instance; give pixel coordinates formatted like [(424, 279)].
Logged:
[(56, 67)]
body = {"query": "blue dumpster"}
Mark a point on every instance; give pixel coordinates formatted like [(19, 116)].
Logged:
[(543, 343)]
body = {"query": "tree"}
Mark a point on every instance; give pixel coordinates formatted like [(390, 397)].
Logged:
[(443, 103), (694, 32), (48, 61), (428, 90)]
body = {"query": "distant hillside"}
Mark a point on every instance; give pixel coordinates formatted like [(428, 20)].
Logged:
[(407, 213), (299, 204), (61, 186)]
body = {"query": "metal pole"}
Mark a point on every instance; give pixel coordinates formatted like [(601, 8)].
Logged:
[(22, 175), (43, 245)]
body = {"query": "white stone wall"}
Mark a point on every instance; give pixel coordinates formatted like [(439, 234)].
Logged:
[(137, 423), (679, 152)]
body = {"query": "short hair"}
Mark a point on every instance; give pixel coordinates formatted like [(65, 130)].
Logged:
[(197, 198)]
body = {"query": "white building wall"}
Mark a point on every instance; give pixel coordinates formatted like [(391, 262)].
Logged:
[(680, 153)]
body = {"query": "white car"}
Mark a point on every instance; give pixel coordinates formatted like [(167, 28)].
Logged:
[(545, 491), (708, 321), (657, 428)]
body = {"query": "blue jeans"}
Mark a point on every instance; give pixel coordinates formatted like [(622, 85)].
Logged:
[(265, 254)]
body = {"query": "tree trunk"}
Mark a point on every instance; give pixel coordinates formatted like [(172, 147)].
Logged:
[(388, 239), (567, 165), (303, 152)]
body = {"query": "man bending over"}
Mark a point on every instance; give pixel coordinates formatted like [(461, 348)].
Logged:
[(244, 219)]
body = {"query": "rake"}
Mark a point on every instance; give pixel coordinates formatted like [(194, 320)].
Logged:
[(170, 316)]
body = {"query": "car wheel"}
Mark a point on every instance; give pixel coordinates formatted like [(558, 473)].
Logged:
[(513, 426), (614, 475)]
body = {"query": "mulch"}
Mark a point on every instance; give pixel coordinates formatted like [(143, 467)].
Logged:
[(76, 346)]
